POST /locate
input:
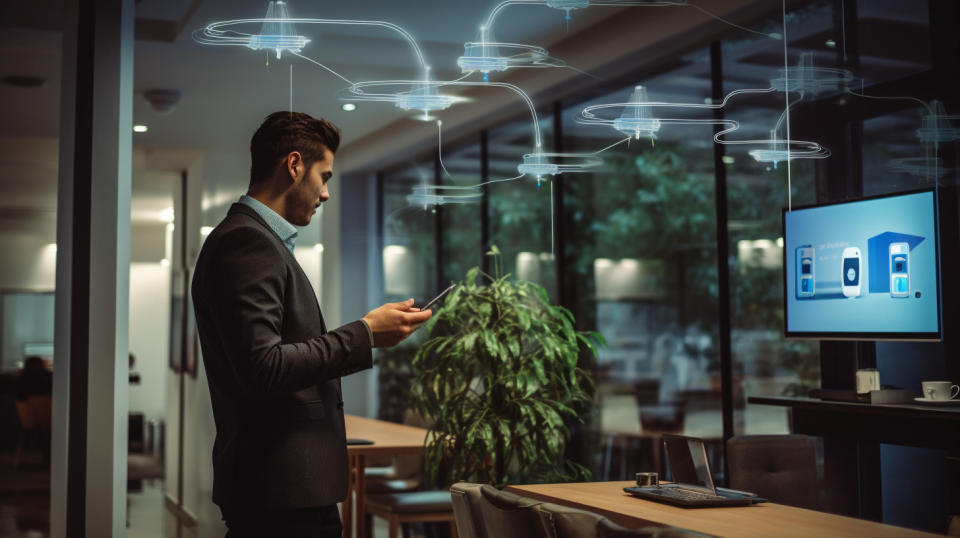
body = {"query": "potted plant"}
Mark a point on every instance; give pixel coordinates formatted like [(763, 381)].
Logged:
[(499, 381)]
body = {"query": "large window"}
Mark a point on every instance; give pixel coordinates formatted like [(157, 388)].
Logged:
[(460, 217), (521, 216), (763, 362), (409, 271), (632, 247), (640, 262)]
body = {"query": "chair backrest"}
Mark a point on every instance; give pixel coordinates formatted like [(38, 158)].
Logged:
[(782, 468), (565, 522), (41, 407), (609, 529), (25, 416), (506, 515), (466, 503)]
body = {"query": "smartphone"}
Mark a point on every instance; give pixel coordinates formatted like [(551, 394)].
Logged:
[(899, 270), (851, 269), (805, 271), (437, 298)]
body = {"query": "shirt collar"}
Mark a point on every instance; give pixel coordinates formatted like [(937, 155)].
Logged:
[(285, 231)]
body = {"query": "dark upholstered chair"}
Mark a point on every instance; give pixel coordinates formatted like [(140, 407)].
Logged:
[(505, 515), (565, 522), (466, 504), (609, 529), (412, 507), (781, 468)]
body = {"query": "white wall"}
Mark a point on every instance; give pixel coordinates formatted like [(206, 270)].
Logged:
[(29, 254), (150, 337)]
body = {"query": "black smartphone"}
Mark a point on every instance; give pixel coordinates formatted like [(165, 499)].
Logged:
[(437, 298)]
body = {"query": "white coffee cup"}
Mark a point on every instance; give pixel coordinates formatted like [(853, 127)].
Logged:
[(939, 390)]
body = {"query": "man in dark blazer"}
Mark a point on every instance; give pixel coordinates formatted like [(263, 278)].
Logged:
[(280, 456)]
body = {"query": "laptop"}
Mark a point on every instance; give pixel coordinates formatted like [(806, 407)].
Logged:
[(692, 485)]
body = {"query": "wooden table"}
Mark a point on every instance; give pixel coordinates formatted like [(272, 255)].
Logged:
[(761, 520), (852, 434), (389, 439)]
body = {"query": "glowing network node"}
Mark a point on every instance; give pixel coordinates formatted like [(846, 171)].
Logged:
[(427, 195), (481, 57), (778, 151), (937, 126), (806, 78), (568, 4), (919, 166), (425, 98), (276, 33), (552, 164), (536, 164), (635, 118)]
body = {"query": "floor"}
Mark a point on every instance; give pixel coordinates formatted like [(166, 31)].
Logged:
[(25, 506)]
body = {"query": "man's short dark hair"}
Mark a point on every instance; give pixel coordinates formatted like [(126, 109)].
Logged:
[(284, 132)]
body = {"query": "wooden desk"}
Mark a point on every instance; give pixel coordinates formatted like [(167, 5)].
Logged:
[(389, 439), (761, 520), (852, 433)]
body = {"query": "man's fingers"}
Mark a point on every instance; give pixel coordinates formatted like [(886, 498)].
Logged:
[(418, 317), (404, 305)]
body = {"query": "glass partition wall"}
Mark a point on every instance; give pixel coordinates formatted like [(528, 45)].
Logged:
[(685, 285)]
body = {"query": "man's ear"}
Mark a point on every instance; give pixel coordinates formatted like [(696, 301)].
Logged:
[(294, 166)]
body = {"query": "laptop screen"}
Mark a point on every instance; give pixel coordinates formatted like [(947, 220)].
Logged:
[(688, 461)]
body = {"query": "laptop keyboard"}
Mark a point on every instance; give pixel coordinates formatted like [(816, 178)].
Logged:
[(684, 494)]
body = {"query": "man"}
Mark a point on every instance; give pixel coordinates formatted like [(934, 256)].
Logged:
[(280, 457)]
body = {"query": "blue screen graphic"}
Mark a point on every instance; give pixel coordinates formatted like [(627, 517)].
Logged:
[(863, 268)]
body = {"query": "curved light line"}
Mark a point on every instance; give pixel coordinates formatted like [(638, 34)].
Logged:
[(357, 87), (499, 180), (311, 60), (587, 113), (488, 26), (923, 103), (215, 28)]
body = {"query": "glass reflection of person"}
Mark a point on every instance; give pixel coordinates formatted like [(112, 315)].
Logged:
[(34, 379)]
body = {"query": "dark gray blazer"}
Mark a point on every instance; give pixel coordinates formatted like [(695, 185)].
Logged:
[(273, 371)]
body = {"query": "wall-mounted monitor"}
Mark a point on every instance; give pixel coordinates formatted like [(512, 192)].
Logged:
[(863, 270)]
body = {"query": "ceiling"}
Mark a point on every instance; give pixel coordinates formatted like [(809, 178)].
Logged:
[(226, 91)]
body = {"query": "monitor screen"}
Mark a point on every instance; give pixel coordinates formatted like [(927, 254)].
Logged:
[(863, 270)]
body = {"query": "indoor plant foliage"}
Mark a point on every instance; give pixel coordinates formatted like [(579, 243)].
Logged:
[(498, 380)]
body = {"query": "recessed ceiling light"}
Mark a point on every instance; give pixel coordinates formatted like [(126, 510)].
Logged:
[(830, 43), (139, 128), (727, 159), (349, 107)]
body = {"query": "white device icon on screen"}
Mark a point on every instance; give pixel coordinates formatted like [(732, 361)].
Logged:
[(850, 267), (899, 270)]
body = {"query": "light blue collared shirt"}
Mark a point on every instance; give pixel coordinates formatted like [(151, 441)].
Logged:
[(285, 231)]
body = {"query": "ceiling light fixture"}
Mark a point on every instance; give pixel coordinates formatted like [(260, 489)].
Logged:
[(139, 128), (348, 107)]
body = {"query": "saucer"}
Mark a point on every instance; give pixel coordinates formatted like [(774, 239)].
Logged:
[(937, 402)]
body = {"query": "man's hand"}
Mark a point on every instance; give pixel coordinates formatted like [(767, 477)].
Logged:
[(393, 322)]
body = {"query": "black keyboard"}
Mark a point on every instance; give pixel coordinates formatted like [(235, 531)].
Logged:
[(686, 498), (686, 494)]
